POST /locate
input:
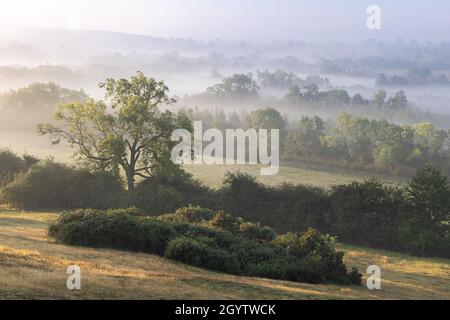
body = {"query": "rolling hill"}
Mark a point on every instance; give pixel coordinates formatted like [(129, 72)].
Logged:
[(32, 266)]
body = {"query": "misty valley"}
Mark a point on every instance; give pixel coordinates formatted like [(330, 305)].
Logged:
[(140, 160)]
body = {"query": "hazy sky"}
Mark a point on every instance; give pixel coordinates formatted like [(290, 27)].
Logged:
[(260, 20)]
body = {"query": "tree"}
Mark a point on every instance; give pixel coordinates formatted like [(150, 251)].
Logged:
[(379, 98), (429, 194), (425, 229), (398, 100), (267, 118), (305, 138), (238, 86), (12, 165), (133, 135)]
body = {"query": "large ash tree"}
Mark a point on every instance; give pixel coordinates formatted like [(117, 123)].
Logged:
[(125, 131)]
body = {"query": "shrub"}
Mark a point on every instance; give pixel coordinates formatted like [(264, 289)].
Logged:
[(254, 231), (217, 244), (319, 259), (165, 192), (122, 229), (224, 221), (367, 213), (284, 208), (201, 252), (50, 185), (190, 214), (11, 165)]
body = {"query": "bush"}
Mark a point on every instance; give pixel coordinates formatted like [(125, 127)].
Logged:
[(320, 260), (367, 213), (122, 229), (413, 220), (224, 221), (190, 214), (50, 185), (254, 231), (284, 208), (11, 165), (201, 252), (166, 192), (220, 243)]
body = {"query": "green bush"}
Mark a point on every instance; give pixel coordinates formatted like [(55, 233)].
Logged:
[(190, 214), (254, 231), (320, 260), (284, 208), (11, 165), (367, 213), (166, 192), (50, 185), (122, 229), (222, 243), (201, 252)]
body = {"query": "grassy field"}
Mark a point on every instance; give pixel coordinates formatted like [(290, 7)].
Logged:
[(321, 176), (33, 266)]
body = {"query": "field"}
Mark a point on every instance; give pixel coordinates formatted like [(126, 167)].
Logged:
[(32, 266), (296, 173)]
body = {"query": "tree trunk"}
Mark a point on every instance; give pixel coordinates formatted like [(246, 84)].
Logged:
[(130, 181)]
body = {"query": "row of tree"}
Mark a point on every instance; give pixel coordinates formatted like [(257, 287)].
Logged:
[(374, 144), (348, 141), (243, 87)]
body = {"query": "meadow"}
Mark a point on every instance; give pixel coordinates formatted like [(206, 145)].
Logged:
[(290, 172), (32, 266)]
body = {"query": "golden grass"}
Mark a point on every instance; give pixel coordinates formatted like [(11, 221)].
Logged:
[(32, 266)]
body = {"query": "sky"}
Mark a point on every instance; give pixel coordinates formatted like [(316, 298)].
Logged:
[(236, 20)]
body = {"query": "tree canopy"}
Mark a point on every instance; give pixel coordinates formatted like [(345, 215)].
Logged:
[(126, 131)]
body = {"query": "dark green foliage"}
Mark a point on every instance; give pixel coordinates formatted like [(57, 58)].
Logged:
[(315, 250), (122, 229), (254, 231), (221, 243), (224, 221), (367, 213), (201, 252), (426, 228), (190, 214), (167, 191), (11, 165), (285, 208), (415, 220), (50, 185)]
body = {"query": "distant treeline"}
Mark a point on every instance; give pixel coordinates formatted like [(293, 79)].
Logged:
[(414, 77), (350, 141), (307, 96)]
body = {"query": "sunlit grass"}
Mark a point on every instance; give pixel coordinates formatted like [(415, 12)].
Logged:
[(33, 266), (296, 173)]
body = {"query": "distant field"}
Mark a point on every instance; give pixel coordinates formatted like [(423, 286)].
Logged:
[(296, 173), (212, 175), (32, 266)]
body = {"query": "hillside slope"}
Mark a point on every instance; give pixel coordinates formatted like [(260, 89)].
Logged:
[(33, 266)]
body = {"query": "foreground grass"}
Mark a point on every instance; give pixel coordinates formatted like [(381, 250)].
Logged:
[(290, 172), (32, 266)]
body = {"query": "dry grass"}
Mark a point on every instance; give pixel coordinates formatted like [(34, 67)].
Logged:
[(32, 266)]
